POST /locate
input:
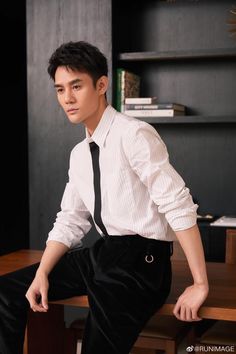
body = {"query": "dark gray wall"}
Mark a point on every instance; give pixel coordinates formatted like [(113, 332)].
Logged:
[(51, 136), (204, 154)]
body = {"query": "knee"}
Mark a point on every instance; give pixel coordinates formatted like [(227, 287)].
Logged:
[(11, 292), (13, 286)]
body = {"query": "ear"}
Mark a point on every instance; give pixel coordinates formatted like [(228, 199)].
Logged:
[(102, 84)]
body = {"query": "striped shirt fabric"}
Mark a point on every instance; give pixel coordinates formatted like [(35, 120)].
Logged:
[(141, 192)]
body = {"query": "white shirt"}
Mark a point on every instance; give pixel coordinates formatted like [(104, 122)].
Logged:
[(140, 190)]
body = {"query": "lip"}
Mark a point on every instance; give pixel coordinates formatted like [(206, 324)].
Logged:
[(72, 110)]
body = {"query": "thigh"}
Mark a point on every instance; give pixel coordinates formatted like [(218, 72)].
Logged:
[(13, 286), (65, 280), (125, 292)]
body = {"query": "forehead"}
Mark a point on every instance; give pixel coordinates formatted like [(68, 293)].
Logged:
[(65, 75)]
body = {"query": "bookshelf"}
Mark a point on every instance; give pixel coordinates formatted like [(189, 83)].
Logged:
[(179, 55), (190, 120), (184, 53), (179, 45)]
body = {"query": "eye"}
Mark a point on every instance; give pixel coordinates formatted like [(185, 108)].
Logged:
[(76, 87), (59, 90)]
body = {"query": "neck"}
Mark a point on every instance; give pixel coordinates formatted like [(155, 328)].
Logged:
[(92, 124)]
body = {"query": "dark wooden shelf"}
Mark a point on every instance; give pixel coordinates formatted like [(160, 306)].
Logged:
[(189, 119), (178, 55)]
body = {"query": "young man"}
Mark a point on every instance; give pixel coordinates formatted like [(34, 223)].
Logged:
[(121, 175)]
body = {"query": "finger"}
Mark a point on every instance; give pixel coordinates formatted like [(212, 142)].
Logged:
[(176, 310), (32, 298), (38, 308), (195, 316), (188, 315), (182, 313), (44, 300), (35, 306)]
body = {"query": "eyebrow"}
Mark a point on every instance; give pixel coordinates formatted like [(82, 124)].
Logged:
[(72, 82)]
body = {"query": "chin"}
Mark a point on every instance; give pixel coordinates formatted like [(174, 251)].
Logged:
[(75, 120)]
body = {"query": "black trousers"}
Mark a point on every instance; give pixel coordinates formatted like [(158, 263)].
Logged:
[(124, 290)]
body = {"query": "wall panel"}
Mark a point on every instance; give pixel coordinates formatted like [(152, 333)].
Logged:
[(51, 136)]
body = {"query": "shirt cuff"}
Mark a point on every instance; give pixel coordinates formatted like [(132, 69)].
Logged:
[(183, 222), (66, 238)]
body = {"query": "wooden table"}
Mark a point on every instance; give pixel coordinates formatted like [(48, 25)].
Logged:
[(220, 304)]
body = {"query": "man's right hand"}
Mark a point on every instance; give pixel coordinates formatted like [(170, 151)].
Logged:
[(37, 294)]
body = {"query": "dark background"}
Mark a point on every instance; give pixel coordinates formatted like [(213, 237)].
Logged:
[(14, 162)]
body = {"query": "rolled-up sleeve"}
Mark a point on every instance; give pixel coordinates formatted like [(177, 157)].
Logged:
[(72, 222), (149, 159)]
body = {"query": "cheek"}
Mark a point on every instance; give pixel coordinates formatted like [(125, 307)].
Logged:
[(60, 100), (88, 99), (86, 92)]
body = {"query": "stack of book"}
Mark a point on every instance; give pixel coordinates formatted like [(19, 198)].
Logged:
[(128, 85), (150, 107)]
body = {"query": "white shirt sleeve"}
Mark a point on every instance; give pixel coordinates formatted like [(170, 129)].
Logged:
[(149, 159), (71, 223)]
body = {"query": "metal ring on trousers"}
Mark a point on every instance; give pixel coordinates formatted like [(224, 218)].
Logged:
[(149, 258)]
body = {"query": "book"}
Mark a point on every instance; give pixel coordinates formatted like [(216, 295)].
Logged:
[(225, 221), (140, 100), (175, 106), (207, 217), (128, 85), (153, 112)]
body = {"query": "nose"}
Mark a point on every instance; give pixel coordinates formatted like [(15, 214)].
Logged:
[(69, 96)]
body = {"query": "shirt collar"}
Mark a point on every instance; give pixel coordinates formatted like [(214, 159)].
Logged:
[(101, 131)]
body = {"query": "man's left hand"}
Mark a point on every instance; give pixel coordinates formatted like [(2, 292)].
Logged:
[(189, 302)]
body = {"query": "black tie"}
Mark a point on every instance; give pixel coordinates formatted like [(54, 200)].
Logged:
[(94, 148)]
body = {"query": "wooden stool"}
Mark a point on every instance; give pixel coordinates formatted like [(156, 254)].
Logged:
[(223, 332), (160, 333)]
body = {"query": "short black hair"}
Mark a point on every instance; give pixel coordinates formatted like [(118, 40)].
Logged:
[(81, 56)]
